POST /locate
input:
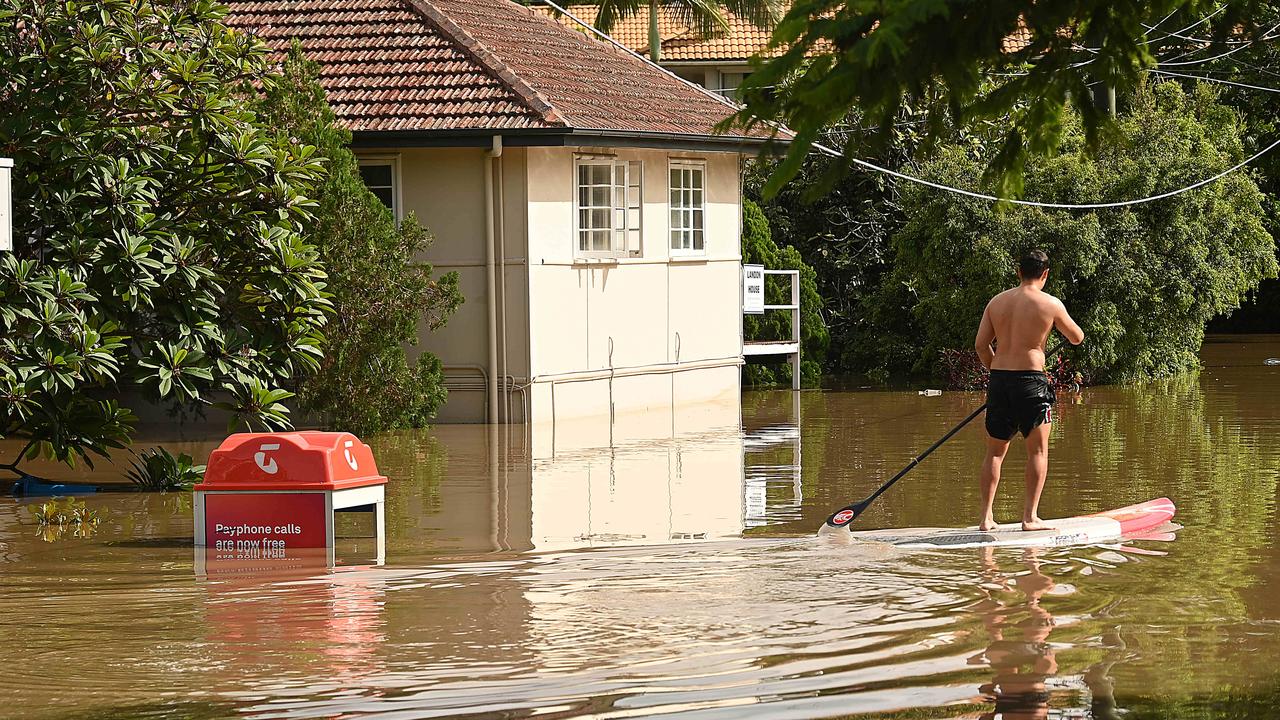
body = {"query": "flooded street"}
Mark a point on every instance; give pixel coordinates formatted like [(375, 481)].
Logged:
[(676, 573)]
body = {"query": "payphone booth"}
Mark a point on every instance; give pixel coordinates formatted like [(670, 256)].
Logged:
[(273, 496)]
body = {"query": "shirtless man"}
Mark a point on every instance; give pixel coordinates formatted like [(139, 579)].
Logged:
[(1019, 396)]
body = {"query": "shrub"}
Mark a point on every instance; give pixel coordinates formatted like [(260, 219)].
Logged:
[(158, 470)]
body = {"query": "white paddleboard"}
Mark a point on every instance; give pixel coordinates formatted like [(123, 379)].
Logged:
[(1080, 530)]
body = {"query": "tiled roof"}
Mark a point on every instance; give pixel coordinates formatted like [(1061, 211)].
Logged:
[(680, 41), (458, 65)]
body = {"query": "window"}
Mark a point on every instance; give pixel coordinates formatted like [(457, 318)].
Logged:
[(607, 208), (380, 176), (687, 208), (729, 84)]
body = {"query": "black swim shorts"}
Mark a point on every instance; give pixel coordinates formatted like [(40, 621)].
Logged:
[(1018, 400)]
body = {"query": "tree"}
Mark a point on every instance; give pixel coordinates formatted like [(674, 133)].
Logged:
[(879, 57), (707, 18), (380, 291), (1142, 280), (157, 224), (758, 247)]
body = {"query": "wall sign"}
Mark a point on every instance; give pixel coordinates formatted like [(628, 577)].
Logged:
[(753, 289)]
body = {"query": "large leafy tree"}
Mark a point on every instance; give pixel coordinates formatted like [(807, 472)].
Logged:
[(157, 224), (878, 56), (381, 290), (1143, 280), (704, 16)]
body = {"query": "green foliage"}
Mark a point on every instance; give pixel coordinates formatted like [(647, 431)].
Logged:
[(759, 248), (1142, 281), (63, 512), (880, 55), (157, 224), (158, 470), (380, 291)]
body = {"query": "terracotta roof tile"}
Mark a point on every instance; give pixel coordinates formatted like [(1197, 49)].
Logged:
[(434, 65), (680, 41)]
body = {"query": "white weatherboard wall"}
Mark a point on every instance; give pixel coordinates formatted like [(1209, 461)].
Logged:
[(635, 335)]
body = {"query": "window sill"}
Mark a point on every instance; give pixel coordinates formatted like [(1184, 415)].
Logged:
[(688, 258)]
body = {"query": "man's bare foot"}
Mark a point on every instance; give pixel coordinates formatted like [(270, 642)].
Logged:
[(1035, 524), (987, 525)]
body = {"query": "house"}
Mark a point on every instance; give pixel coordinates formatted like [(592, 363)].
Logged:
[(582, 193), (718, 62)]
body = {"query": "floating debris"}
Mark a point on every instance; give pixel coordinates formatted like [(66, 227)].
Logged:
[(1271, 361), (931, 393)]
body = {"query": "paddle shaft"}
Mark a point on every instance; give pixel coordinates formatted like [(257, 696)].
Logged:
[(857, 508)]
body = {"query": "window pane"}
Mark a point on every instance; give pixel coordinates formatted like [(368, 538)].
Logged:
[(619, 218), (675, 177), (675, 240), (376, 175), (619, 196), (384, 194), (584, 240), (600, 197), (696, 177), (697, 239), (599, 219), (600, 239), (633, 218), (676, 219), (697, 220), (584, 219), (675, 197), (633, 196), (600, 174), (584, 196)]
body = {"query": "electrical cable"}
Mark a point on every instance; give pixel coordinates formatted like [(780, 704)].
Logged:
[(1053, 206)]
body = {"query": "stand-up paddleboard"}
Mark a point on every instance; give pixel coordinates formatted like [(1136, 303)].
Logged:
[(1080, 530)]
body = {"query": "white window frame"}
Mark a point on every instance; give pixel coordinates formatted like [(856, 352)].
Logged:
[(625, 208), (692, 210), (392, 161)]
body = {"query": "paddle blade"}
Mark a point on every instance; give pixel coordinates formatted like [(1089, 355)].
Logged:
[(847, 514)]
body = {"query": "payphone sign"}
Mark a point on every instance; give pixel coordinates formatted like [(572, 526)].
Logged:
[(266, 522)]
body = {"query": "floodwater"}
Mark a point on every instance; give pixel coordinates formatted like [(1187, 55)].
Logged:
[(678, 576)]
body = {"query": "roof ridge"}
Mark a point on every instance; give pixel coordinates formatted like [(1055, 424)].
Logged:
[(490, 61)]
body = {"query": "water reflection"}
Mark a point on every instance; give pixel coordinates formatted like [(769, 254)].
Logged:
[(673, 572)]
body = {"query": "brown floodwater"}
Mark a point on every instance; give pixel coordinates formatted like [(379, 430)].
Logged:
[(676, 573)]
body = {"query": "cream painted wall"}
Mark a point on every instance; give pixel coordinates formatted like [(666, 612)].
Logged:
[(634, 312), (668, 329), (444, 188)]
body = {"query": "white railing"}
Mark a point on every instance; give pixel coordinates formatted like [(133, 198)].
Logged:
[(791, 347)]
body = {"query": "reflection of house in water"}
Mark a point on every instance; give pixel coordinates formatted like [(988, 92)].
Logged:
[(771, 442), (659, 481)]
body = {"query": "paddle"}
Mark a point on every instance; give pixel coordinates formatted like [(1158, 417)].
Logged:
[(849, 513)]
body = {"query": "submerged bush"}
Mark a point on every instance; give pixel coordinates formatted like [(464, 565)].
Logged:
[(158, 470)]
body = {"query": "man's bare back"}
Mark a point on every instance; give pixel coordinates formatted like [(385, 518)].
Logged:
[(1021, 318), (1010, 343)]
